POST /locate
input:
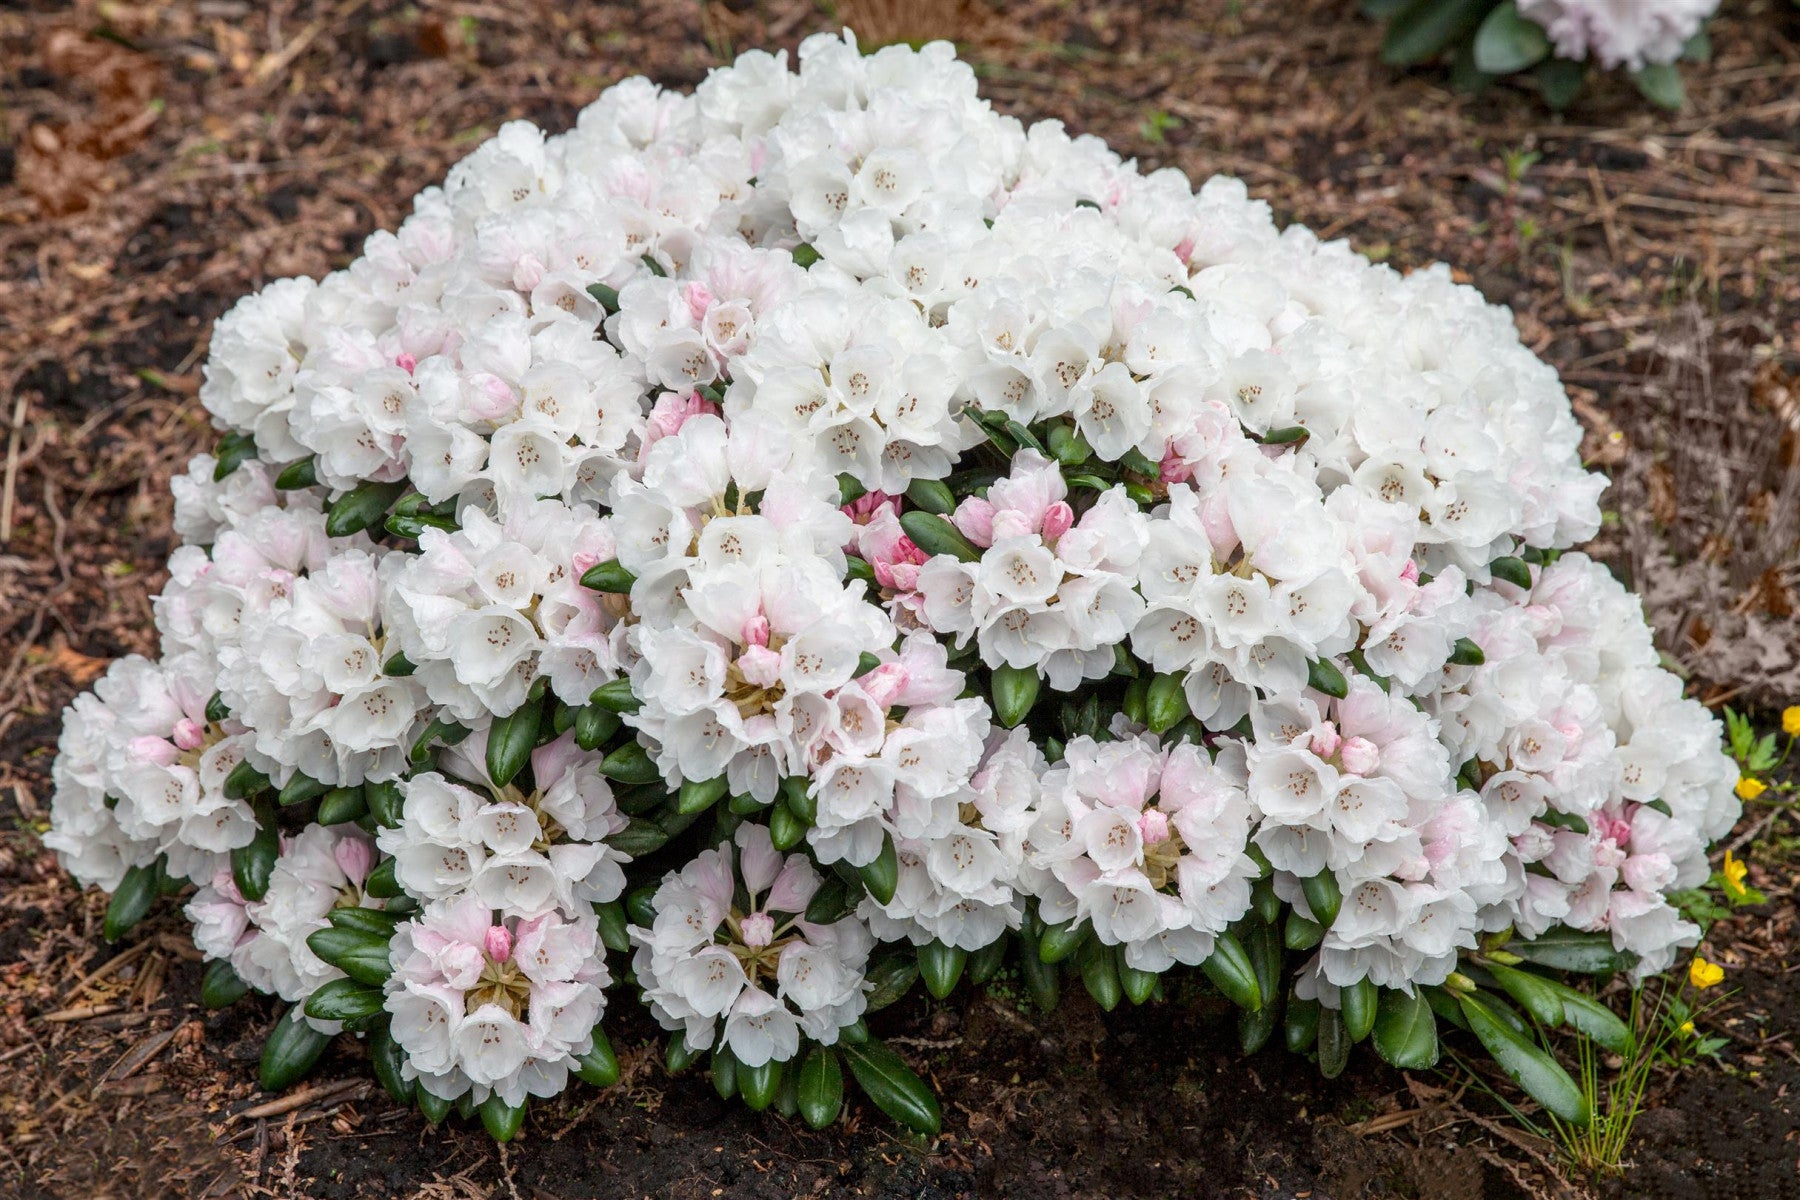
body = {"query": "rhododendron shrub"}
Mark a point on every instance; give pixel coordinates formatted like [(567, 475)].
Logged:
[(1558, 41), (764, 547)]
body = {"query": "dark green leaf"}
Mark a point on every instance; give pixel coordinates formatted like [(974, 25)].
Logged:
[(1041, 978), (1559, 81), (1542, 1077), (1165, 702), (370, 922), (934, 535), (1015, 690), (1467, 654), (340, 806), (891, 1084), (1059, 941), (500, 1119), (758, 1084), (1100, 973), (344, 1000), (440, 730), (384, 801), (233, 450), (386, 1057), (1424, 29), (832, 902), (805, 255), (130, 902), (612, 922), (293, 1048), (932, 495), (434, 1108), (1572, 950), (1229, 968), (1532, 992), (892, 977), (1660, 84), (381, 882), (639, 838), (594, 726), (940, 966), (297, 475), (724, 1071), (251, 865), (1323, 675), (679, 1056), (630, 764), (511, 739), (1300, 933), (608, 576), (1512, 570), (1358, 1003), (221, 986), (362, 956), (1323, 896), (1406, 1030), (797, 798), (785, 829), (360, 507), (245, 781), (986, 962), (1333, 1044), (821, 1087), (599, 1066), (608, 297), (1302, 1028), (1508, 42), (698, 795), (882, 876)]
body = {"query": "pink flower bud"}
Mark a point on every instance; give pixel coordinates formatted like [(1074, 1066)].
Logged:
[(760, 666), (884, 683), (490, 398), (1174, 468), (1326, 739), (1359, 755), (699, 298), (1410, 572), (582, 561), (152, 749), (1058, 519), (406, 362), (1153, 826), (189, 734), (497, 943), (756, 631), (354, 858), (974, 518), (757, 930), (866, 506), (1184, 249)]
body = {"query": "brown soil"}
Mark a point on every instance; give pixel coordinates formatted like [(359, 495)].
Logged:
[(158, 160)]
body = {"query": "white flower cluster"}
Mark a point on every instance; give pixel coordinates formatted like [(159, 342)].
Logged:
[(680, 514), (1628, 33)]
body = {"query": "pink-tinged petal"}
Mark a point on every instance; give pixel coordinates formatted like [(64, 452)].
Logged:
[(793, 889), (758, 859), (354, 857), (974, 518)]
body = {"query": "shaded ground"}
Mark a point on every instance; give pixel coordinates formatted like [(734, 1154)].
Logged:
[(158, 160)]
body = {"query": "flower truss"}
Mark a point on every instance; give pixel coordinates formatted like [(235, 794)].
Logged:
[(768, 545)]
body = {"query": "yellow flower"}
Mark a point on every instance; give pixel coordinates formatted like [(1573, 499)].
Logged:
[(1734, 871), (1703, 974), (1687, 1027), (1749, 787), (1790, 720)]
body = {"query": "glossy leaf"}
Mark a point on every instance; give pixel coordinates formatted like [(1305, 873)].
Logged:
[(1529, 1066), (892, 1085)]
